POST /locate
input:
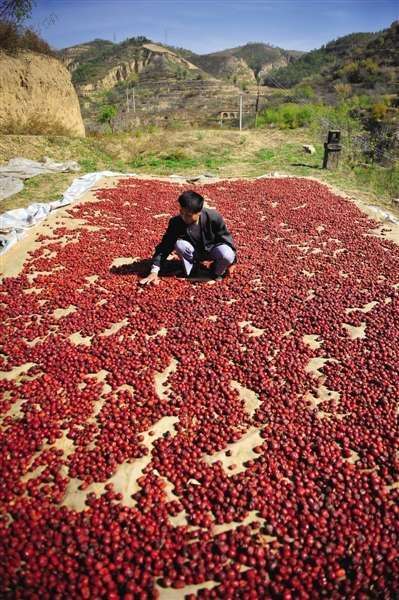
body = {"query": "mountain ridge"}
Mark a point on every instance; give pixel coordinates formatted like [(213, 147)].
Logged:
[(363, 60), (173, 83)]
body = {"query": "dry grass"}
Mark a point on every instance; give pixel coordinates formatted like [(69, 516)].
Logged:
[(197, 143), (13, 38), (225, 153), (37, 124), (37, 147)]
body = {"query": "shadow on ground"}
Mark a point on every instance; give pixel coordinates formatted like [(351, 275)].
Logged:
[(318, 167), (172, 268)]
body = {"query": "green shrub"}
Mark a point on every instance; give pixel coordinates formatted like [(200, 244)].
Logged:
[(379, 110), (287, 116), (304, 91), (366, 72), (85, 72), (107, 115)]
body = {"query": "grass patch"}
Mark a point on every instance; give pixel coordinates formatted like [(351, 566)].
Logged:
[(225, 153), (42, 188), (381, 181), (169, 162), (164, 161), (88, 165), (288, 157), (375, 183), (264, 154)]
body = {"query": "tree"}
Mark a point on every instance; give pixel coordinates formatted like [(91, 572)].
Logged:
[(344, 90), (16, 11), (379, 111), (350, 72), (304, 91), (107, 115), (181, 73), (14, 35)]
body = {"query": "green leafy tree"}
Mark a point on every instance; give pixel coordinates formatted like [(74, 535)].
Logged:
[(107, 115)]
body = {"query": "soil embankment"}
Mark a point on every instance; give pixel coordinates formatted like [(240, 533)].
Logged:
[(35, 89)]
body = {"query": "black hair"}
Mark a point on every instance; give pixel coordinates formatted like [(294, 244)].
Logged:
[(192, 201)]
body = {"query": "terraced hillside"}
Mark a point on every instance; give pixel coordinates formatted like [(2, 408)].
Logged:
[(169, 84)]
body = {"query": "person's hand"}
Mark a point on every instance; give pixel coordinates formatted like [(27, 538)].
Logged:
[(230, 270), (151, 279)]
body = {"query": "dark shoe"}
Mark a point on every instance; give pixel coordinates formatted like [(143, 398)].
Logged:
[(217, 277), (195, 271)]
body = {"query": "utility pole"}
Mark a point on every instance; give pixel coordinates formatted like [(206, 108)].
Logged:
[(134, 102), (127, 100), (240, 112), (257, 102)]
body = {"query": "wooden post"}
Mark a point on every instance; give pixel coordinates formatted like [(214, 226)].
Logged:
[(332, 149), (240, 112)]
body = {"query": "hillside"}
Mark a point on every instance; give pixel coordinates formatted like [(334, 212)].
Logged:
[(91, 52), (366, 61), (177, 87), (172, 85), (94, 63), (245, 63)]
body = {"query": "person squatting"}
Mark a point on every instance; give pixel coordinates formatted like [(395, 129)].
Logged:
[(196, 234)]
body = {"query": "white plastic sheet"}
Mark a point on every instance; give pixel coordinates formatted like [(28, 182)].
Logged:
[(23, 168), (384, 214), (9, 186), (14, 223), (17, 169)]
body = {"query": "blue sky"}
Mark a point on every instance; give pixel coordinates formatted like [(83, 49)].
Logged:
[(210, 25)]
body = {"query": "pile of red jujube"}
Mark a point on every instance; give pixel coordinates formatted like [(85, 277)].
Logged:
[(325, 525)]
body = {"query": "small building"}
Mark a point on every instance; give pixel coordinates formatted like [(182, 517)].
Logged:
[(228, 115)]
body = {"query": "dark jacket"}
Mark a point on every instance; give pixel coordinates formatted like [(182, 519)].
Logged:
[(213, 230)]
